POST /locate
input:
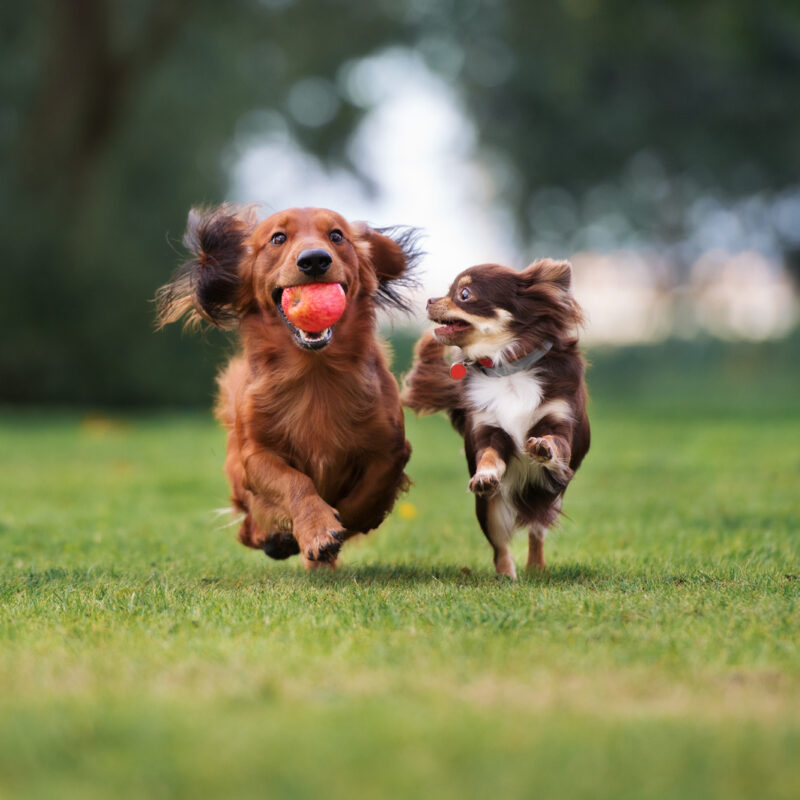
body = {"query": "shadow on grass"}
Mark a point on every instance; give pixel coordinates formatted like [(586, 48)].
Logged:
[(608, 576), (405, 574)]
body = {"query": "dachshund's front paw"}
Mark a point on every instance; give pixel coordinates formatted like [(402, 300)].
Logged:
[(323, 548), (484, 483), (540, 449), (320, 536)]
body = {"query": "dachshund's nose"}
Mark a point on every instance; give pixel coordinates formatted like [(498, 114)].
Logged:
[(314, 262)]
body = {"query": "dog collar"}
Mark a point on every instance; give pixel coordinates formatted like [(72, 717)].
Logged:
[(458, 370)]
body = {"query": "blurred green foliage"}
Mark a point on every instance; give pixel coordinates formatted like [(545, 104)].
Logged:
[(118, 122), (702, 92), (117, 116)]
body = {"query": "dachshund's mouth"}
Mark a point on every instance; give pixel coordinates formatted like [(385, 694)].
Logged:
[(308, 340)]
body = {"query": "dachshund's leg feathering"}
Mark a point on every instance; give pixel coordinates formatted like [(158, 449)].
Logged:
[(365, 508), (315, 525)]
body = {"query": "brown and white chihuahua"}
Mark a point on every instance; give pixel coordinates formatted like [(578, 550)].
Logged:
[(517, 394)]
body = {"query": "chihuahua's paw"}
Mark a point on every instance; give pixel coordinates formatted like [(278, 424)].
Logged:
[(540, 449), (485, 482)]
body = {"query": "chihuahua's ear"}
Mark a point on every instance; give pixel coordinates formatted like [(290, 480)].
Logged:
[(207, 286), (550, 281), (548, 270), (393, 255)]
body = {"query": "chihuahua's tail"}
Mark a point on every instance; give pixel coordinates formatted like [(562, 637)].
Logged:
[(428, 387)]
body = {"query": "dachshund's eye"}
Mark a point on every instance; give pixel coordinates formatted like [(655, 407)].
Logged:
[(278, 238), (465, 294), (336, 236)]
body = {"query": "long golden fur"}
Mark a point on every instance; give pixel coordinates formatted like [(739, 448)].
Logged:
[(316, 442)]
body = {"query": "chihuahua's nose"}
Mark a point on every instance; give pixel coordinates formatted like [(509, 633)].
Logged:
[(314, 262), (432, 300)]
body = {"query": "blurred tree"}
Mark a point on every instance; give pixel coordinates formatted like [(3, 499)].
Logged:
[(115, 120), (117, 115), (633, 110)]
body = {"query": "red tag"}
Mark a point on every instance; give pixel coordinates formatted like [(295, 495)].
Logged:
[(486, 362), (457, 371)]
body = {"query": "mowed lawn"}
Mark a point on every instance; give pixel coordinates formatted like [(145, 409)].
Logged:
[(144, 652)]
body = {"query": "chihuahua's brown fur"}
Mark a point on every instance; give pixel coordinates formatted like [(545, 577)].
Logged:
[(521, 406)]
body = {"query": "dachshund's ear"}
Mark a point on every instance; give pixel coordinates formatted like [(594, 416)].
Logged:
[(548, 270), (393, 253), (207, 286)]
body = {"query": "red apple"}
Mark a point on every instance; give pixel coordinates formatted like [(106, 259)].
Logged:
[(313, 307)]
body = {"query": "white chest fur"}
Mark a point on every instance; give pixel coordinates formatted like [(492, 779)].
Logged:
[(512, 402)]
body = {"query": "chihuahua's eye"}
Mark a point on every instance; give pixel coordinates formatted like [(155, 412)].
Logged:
[(336, 236), (278, 238), (465, 294)]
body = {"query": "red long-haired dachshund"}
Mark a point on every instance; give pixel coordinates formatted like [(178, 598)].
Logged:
[(316, 441)]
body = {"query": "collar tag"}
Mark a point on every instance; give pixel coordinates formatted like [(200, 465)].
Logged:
[(457, 371)]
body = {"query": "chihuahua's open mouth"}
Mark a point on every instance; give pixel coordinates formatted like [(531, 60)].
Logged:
[(308, 340), (450, 327)]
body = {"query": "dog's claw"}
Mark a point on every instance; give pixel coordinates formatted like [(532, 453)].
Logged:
[(328, 552)]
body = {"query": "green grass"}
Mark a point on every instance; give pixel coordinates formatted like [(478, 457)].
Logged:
[(143, 652)]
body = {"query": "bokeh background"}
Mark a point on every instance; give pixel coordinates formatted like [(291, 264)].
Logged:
[(657, 145), (144, 653)]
